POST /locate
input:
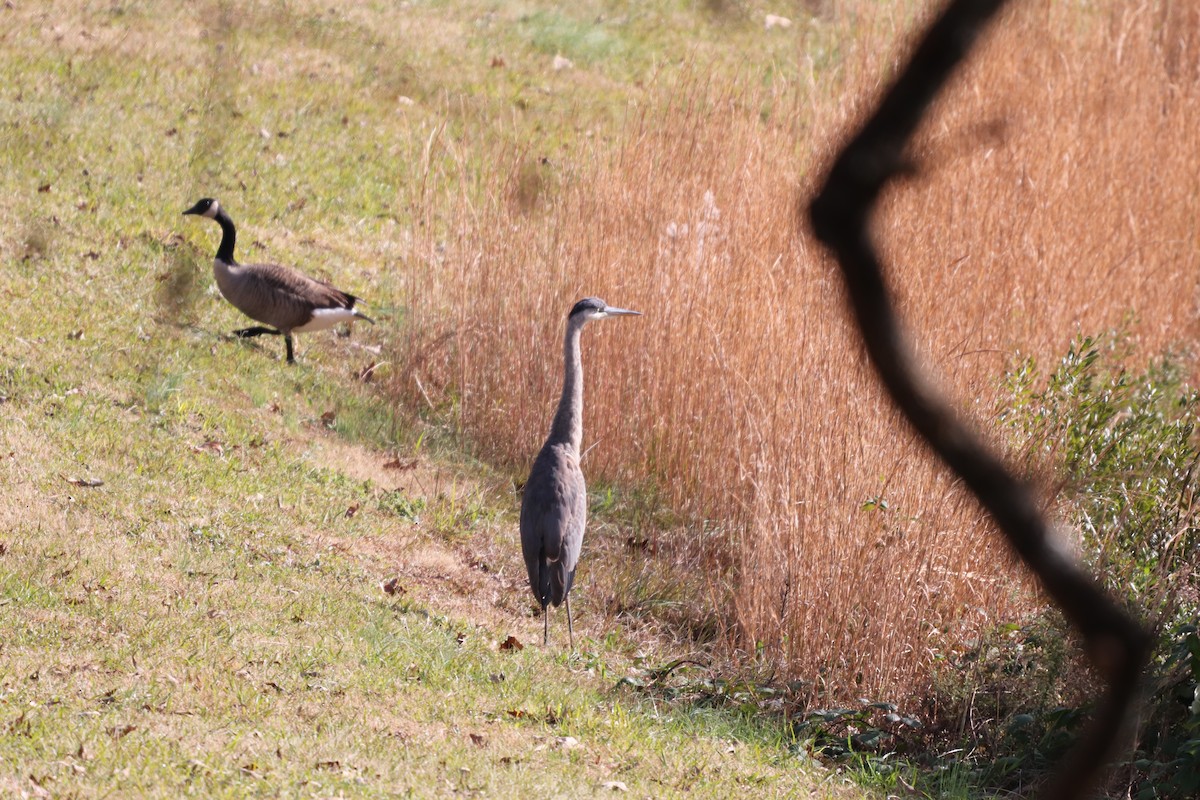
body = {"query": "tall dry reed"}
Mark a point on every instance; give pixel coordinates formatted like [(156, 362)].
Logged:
[(1056, 193)]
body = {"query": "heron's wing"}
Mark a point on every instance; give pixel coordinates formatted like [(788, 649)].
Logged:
[(574, 523), (553, 514), (531, 539)]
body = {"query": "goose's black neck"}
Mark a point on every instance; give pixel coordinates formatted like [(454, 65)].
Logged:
[(228, 237)]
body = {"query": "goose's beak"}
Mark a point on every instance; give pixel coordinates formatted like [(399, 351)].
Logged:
[(193, 210)]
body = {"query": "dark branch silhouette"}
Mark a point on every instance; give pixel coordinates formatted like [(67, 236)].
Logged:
[(840, 216)]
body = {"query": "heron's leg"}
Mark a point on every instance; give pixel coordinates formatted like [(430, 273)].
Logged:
[(545, 626), (570, 631), (257, 330), (291, 354)]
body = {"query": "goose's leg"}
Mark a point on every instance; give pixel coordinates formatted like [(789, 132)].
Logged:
[(258, 330), (545, 625), (291, 353)]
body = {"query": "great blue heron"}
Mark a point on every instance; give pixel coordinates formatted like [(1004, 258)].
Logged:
[(277, 295), (554, 506)]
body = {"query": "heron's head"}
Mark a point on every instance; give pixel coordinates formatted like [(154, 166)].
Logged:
[(590, 308), (205, 208)]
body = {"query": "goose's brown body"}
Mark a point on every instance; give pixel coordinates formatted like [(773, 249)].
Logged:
[(281, 297)]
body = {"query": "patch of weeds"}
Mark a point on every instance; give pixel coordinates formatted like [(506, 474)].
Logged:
[(12, 380), (1122, 445), (655, 568), (180, 285), (1166, 764), (554, 33), (658, 576), (330, 478), (639, 507), (1124, 442), (676, 681), (402, 506), (160, 388), (454, 517), (206, 537), (869, 727)]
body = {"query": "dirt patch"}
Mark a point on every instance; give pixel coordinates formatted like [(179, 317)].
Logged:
[(415, 476), (476, 575)]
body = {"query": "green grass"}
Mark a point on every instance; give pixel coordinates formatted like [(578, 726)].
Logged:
[(201, 623), (209, 620)]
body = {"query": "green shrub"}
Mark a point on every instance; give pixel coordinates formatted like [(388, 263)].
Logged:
[(1122, 443)]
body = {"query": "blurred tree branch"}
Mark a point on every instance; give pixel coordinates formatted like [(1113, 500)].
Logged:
[(840, 216)]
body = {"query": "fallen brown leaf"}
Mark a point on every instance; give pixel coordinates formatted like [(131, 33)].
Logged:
[(352, 510), (119, 731), (396, 463), (393, 587), (512, 643), (478, 740)]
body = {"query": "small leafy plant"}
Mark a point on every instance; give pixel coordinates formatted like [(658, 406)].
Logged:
[(1121, 443)]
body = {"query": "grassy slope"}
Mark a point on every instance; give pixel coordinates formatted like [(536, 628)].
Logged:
[(209, 620)]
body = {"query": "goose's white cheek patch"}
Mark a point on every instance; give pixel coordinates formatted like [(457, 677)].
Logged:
[(325, 318)]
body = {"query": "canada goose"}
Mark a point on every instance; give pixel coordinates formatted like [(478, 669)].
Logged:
[(280, 296)]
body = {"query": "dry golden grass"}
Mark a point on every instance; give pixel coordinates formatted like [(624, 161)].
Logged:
[(1056, 194)]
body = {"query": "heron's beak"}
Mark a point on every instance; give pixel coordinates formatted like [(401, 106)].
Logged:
[(617, 312)]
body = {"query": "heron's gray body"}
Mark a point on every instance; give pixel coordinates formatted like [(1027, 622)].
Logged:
[(554, 505), (284, 298), (553, 518)]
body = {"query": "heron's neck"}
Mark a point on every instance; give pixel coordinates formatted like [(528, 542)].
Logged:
[(568, 419), (228, 237)]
